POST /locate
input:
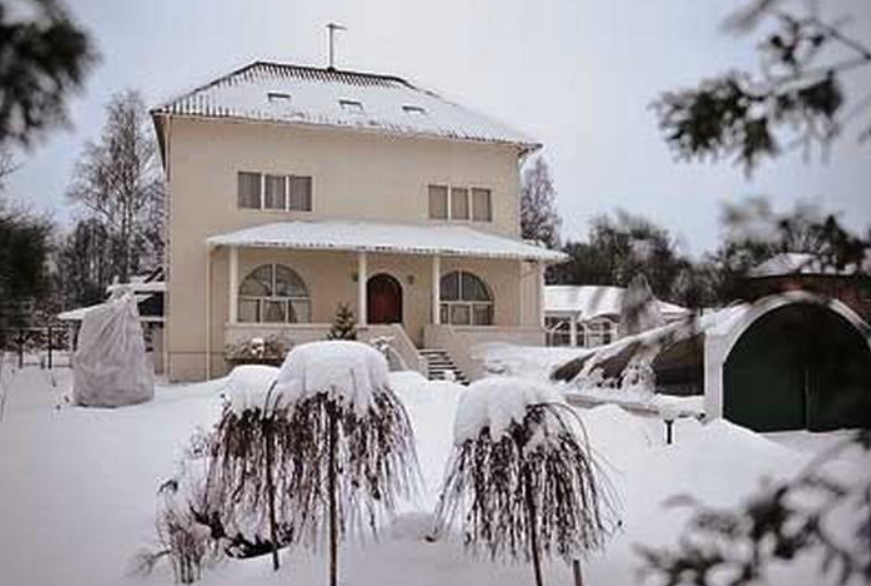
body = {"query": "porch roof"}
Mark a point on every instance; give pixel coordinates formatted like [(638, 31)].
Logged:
[(442, 240)]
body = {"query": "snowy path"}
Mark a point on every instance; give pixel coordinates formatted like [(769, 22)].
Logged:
[(77, 491)]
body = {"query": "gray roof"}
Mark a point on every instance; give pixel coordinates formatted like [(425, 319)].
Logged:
[(361, 236), (294, 94)]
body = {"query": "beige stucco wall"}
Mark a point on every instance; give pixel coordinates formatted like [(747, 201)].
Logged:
[(355, 175), (331, 280)]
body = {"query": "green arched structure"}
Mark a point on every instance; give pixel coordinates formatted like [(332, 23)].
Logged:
[(800, 366)]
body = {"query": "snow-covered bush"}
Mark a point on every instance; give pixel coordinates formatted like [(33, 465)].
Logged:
[(184, 536), (384, 344), (638, 377), (187, 541), (521, 476), (257, 350), (352, 447), (314, 450), (246, 490)]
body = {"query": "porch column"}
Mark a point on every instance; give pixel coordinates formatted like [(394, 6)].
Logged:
[(362, 278), (521, 275), (436, 289), (208, 304), (233, 281), (573, 330), (540, 277)]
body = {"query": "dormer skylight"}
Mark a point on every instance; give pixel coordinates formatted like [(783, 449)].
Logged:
[(416, 110), (351, 105), (278, 97)]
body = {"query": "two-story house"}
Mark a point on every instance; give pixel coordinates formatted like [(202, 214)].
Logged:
[(294, 189)]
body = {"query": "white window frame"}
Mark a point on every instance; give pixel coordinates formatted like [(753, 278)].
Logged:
[(469, 203), (558, 330), (598, 329), (446, 306), (285, 181), (489, 191), (311, 195), (287, 177), (261, 300)]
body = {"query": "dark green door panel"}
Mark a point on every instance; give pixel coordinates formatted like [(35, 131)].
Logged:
[(799, 366)]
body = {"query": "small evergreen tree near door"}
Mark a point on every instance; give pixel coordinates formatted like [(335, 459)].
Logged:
[(344, 326)]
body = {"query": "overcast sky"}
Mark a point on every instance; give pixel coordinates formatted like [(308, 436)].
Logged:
[(578, 75)]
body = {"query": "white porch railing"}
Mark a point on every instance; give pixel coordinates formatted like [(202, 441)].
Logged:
[(459, 342), (300, 333)]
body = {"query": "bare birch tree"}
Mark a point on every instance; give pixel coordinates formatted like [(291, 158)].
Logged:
[(539, 219), (119, 180)]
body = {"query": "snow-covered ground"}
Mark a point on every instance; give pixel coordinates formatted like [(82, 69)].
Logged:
[(78, 488)]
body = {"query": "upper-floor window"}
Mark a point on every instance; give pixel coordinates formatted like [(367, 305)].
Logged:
[(460, 203), (274, 192)]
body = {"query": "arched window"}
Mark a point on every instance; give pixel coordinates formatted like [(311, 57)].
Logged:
[(274, 293), (465, 300)]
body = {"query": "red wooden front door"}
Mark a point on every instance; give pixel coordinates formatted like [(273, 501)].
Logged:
[(384, 300)]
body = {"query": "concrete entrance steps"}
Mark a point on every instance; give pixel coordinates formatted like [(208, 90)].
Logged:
[(441, 367)]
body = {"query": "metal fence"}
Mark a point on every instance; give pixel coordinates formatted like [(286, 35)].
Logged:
[(46, 346)]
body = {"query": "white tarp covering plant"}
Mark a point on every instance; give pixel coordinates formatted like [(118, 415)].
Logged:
[(320, 448), (110, 366), (521, 476)]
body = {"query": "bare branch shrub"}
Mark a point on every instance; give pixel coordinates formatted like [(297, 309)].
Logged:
[(533, 491), (349, 468), (183, 539), (248, 481)]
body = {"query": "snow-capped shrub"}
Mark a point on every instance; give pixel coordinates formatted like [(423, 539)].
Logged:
[(638, 377), (352, 446), (187, 541), (316, 449), (246, 492), (257, 350), (521, 477), (184, 536)]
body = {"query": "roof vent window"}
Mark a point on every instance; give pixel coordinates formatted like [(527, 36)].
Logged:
[(416, 110), (278, 97), (351, 105)]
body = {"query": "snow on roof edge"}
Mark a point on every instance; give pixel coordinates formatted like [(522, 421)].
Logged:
[(361, 236), (210, 101)]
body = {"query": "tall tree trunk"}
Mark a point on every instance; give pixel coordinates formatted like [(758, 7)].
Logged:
[(531, 522), (270, 491), (331, 488), (576, 572)]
